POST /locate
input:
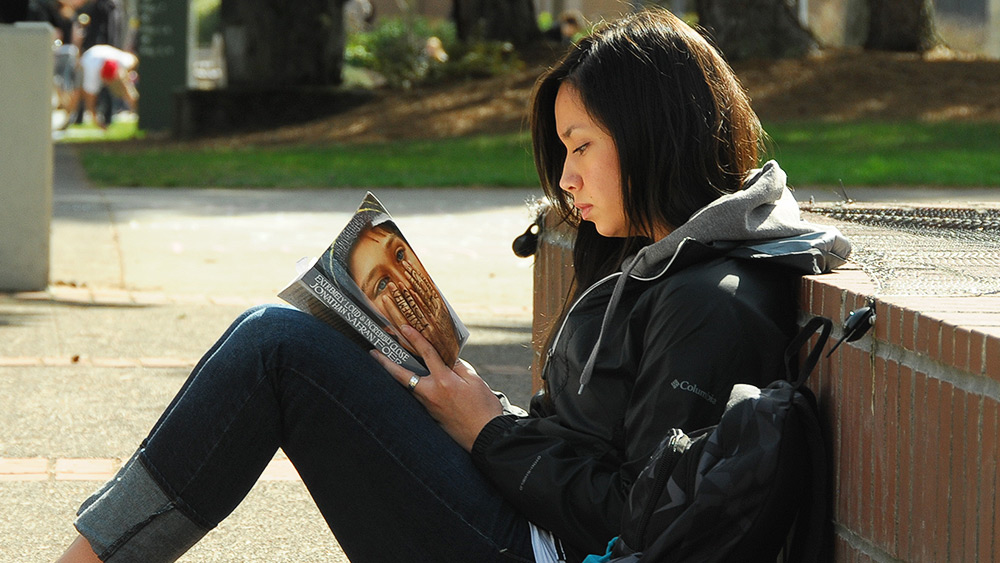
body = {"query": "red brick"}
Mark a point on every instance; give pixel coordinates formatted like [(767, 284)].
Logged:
[(956, 476), (989, 512), (816, 297), (865, 467), (833, 303), (896, 325), (908, 329), (973, 467), (845, 418), (924, 438), (943, 477), (891, 461), (977, 349), (929, 337), (858, 438), (805, 294), (879, 451), (882, 330), (947, 344), (962, 339), (857, 300), (905, 502), (851, 428), (993, 358)]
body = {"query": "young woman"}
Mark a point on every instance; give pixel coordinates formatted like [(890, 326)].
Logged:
[(685, 260)]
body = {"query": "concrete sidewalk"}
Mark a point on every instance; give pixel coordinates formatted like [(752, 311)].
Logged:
[(143, 281)]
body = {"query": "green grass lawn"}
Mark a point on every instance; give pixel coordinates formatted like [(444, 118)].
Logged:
[(503, 160), (885, 154), (856, 154)]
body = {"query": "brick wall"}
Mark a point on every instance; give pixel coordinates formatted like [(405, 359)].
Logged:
[(912, 412)]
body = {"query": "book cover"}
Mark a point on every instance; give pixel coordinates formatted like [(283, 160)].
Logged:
[(369, 282)]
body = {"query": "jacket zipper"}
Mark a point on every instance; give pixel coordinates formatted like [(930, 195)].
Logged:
[(562, 325), (555, 341)]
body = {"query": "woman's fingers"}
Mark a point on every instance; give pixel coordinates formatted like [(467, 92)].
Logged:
[(398, 372), (424, 348)]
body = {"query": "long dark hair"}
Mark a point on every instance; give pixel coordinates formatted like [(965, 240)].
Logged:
[(680, 120)]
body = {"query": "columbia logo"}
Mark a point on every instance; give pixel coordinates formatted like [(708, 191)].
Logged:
[(691, 387)]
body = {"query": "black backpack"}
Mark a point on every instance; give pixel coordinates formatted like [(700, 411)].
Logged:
[(732, 492)]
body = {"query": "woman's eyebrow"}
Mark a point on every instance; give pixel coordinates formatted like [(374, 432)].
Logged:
[(569, 131)]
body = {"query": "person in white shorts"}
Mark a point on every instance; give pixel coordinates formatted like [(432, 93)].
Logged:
[(104, 65)]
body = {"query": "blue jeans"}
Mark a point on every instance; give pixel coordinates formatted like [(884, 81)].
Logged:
[(390, 483)]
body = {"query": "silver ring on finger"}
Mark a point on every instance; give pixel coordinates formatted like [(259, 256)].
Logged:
[(414, 379)]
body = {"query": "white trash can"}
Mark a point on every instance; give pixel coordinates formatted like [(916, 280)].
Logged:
[(26, 65)]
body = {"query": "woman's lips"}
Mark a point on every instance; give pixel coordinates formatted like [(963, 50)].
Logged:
[(584, 210)]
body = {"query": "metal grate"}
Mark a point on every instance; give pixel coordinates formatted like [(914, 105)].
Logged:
[(920, 250)]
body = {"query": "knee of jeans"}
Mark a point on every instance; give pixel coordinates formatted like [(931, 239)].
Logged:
[(274, 321), (272, 327)]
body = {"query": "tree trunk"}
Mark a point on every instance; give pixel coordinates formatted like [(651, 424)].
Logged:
[(900, 25), (744, 29), (275, 43), (500, 20)]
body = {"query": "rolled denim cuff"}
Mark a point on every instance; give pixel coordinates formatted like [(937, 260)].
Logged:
[(131, 519)]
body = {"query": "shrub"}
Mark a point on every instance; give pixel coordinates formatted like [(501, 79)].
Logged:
[(397, 49)]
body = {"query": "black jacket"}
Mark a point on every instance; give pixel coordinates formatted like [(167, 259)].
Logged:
[(687, 318)]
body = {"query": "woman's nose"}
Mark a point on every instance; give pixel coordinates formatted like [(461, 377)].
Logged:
[(569, 180)]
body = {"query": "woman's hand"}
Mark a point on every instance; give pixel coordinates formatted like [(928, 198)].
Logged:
[(454, 396), (404, 306)]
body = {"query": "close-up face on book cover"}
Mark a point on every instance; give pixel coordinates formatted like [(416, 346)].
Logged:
[(389, 277)]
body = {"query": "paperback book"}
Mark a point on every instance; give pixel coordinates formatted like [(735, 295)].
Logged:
[(369, 283)]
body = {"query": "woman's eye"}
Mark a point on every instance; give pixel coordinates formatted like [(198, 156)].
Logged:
[(580, 149), (400, 255), (381, 285)]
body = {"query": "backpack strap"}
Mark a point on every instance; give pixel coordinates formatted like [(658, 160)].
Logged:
[(810, 543), (792, 351)]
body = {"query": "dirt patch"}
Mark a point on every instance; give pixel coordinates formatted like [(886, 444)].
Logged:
[(843, 85), (830, 86)]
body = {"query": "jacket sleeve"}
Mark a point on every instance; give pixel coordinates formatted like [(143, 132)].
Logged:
[(575, 494), (689, 352)]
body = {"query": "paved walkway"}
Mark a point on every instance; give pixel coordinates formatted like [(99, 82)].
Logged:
[(143, 280)]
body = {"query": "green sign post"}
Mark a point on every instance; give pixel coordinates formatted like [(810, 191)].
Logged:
[(163, 60)]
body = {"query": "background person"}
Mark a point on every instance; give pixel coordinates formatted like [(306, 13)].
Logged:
[(103, 23), (106, 66), (643, 138)]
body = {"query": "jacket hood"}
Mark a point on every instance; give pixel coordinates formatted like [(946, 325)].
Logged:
[(761, 221), (758, 217)]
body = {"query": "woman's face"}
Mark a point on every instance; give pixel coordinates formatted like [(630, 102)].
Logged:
[(591, 173)]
